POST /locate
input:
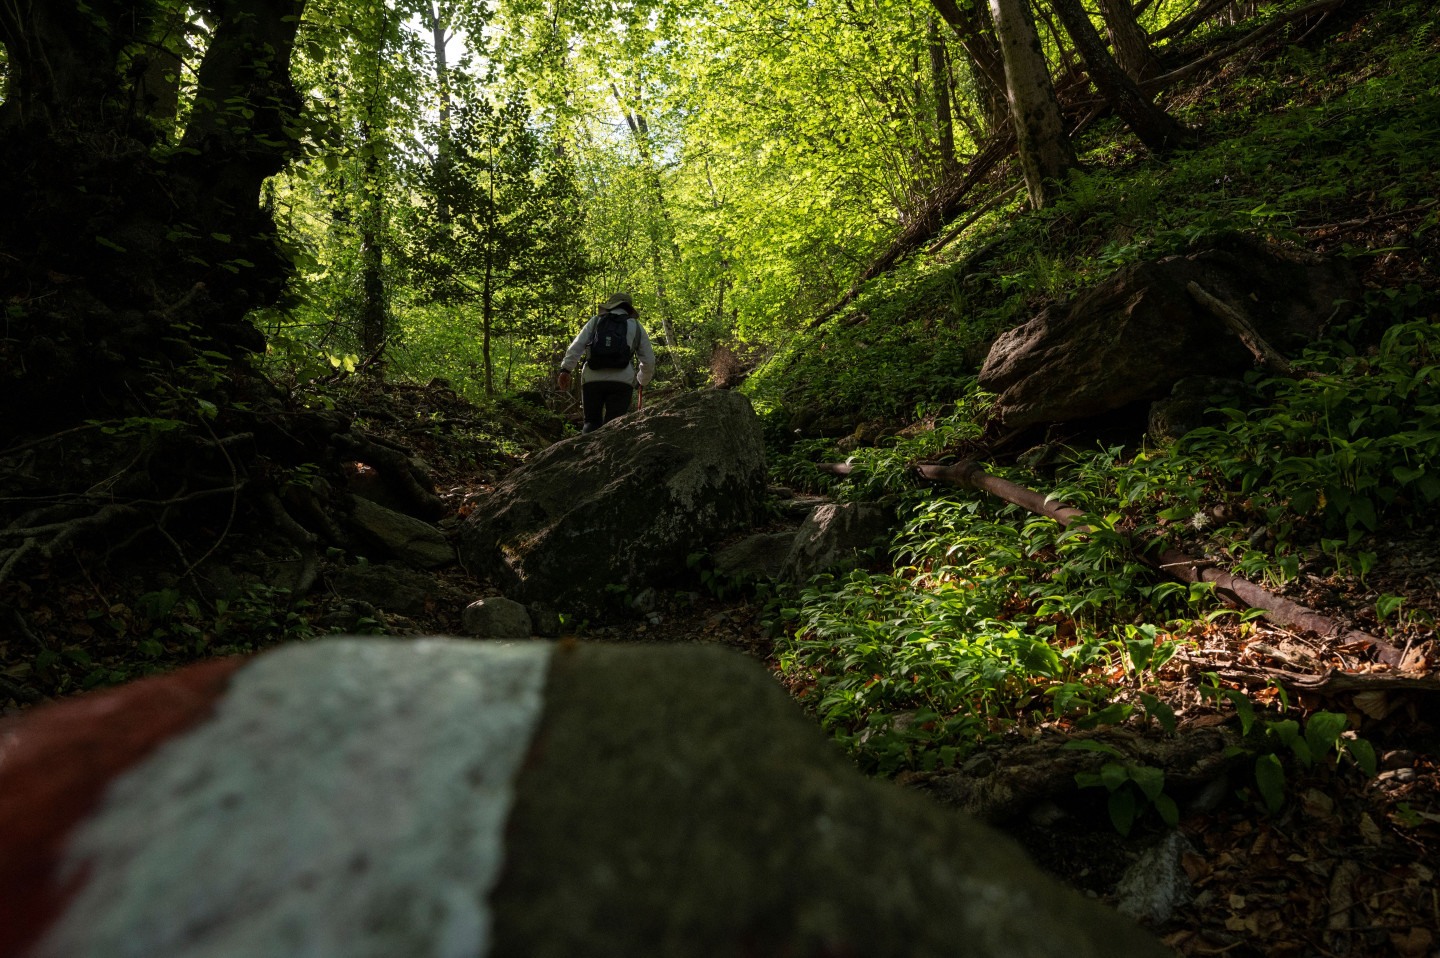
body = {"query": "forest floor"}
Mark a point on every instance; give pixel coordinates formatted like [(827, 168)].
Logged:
[(1345, 869)]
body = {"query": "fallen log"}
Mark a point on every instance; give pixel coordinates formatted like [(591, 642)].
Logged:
[(1160, 555)]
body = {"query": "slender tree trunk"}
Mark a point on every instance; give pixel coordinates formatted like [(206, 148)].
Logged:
[(944, 127), (1131, 45), (486, 313), (160, 84), (1046, 155), (976, 36), (372, 260), (372, 267), (442, 80), (640, 130), (487, 302), (1158, 130)]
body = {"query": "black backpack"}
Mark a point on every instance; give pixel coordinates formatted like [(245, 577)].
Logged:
[(610, 344)]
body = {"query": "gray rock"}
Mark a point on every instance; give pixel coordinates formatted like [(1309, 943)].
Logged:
[(388, 586), (624, 505), (758, 556), (1136, 334), (545, 620), (496, 617), (1156, 882), (644, 601), (683, 791), (412, 541), (835, 534), (524, 798), (799, 509)]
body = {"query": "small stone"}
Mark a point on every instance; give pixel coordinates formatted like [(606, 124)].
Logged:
[(1156, 883), (410, 540), (1046, 814), (644, 601), (1397, 758), (496, 617), (545, 620), (1397, 776)]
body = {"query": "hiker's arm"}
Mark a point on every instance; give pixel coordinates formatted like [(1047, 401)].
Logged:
[(646, 355), (577, 348)]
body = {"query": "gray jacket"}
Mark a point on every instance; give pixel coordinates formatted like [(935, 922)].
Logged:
[(639, 343)]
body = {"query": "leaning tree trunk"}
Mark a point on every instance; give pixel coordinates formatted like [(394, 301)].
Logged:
[(944, 126), (1131, 45), (977, 40), (121, 256), (1046, 155), (442, 82), (1158, 130)]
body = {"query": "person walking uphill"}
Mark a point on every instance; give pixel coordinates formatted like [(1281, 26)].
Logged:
[(611, 343)]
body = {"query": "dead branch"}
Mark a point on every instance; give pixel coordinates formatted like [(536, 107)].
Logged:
[(948, 203), (1182, 27), (1332, 681), (1249, 40), (53, 436), (1238, 323), (1159, 555), (965, 224)]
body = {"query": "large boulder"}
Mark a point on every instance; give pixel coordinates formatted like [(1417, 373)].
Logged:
[(835, 534), (1135, 335), (623, 505), (437, 798)]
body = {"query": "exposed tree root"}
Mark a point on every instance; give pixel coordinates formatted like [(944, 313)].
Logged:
[(1024, 777)]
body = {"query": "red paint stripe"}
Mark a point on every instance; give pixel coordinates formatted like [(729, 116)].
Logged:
[(54, 768)]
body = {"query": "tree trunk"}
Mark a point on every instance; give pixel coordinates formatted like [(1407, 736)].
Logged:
[(977, 39), (487, 306), (1158, 130), (1046, 155), (944, 128), (160, 83), (641, 131), (442, 79), (1131, 45), (110, 240)]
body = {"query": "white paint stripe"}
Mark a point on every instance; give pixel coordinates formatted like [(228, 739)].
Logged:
[(347, 800)]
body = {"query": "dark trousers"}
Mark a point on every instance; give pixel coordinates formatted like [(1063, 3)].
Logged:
[(603, 402)]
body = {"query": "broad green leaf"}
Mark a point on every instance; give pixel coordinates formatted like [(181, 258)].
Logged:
[(1270, 777)]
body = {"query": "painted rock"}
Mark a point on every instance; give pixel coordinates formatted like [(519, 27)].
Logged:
[(446, 798)]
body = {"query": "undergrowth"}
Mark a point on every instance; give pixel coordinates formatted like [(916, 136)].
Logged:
[(990, 621), (1316, 133)]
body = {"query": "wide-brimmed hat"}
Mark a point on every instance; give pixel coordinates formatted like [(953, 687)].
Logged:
[(619, 299)]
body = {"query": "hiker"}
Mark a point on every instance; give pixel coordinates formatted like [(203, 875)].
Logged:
[(611, 342)]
